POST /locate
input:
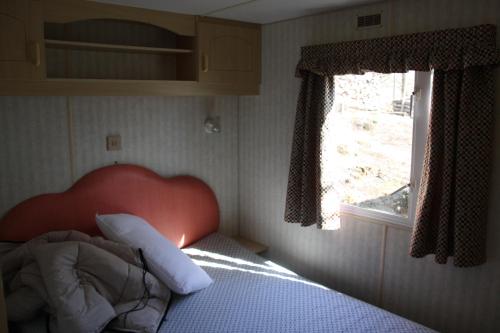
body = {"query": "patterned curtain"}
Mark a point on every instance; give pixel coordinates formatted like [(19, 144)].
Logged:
[(453, 198), (452, 201), (303, 204)]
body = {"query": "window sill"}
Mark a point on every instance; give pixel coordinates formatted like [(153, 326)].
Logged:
[(376, 217)]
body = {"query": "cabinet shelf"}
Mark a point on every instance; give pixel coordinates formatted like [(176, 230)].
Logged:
[(62, 44), (87, 48)]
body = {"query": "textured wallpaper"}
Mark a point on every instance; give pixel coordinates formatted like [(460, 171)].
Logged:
[(367, 260), (34, 148), (162, 133)]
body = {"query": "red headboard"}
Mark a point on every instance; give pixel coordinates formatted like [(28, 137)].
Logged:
[(184, 209)]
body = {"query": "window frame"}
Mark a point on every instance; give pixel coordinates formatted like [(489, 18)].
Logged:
[(421, 102)]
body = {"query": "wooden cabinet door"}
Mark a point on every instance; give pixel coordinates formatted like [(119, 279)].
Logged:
[(229, 53), (21, 44)]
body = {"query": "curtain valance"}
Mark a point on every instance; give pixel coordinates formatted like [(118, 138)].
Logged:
[(452, 49)]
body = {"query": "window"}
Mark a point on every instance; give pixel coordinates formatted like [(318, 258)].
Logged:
[(373, 145)]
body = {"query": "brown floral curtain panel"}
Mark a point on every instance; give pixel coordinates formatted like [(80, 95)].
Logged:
[(304, 193), (452, 202)]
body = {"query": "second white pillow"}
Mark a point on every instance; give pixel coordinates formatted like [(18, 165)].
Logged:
[(167, 262)]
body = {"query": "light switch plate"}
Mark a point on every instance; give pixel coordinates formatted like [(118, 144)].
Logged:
[(113, 142)]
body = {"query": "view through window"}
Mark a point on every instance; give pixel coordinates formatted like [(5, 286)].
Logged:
[(367, 143)]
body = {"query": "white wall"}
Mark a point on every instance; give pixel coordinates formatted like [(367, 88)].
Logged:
[(363, 259), (164, 134)]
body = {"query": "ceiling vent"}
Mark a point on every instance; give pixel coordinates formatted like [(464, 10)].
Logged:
[(368, 21)]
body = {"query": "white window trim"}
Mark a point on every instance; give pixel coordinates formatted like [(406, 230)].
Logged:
[(372, 214), (421, 107)]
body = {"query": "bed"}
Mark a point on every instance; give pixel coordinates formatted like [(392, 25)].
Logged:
[(249, 293)]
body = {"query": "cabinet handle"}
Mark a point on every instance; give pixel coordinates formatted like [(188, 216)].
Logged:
[(204, 62), (37, 54)]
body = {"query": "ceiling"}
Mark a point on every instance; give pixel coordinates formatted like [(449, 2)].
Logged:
[(257, 11)]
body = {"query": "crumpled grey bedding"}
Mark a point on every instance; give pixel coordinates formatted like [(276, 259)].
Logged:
[(84, 284)]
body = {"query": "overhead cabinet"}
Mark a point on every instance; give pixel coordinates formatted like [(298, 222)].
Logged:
[(117, 50), (72, 47), (228, 52), (21, 41)]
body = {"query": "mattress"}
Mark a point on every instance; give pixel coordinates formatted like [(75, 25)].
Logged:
[(250, 294)]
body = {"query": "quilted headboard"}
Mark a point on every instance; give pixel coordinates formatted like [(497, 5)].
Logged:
[(184, 209)]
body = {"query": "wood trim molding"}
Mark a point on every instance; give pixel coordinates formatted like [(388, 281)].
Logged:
[(72, 45), (64, 11), (382, 266), (90, 87), (71, 138)]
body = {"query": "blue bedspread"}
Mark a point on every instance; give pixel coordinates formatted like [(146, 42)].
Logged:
[(250, 294)]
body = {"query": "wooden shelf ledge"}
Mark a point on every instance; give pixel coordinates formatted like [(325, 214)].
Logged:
[(255, 247), (63, 44), (92, 87)]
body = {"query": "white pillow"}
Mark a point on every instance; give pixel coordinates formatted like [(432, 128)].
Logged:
[(168, 263)]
